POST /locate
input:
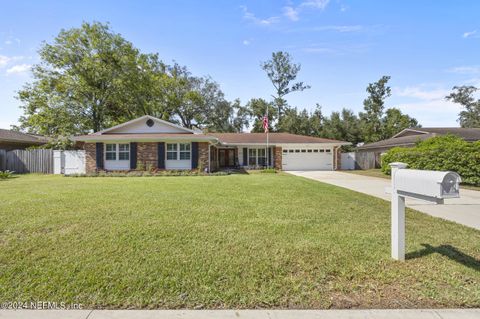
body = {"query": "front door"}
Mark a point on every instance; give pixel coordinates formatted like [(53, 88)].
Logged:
[(226, 157)]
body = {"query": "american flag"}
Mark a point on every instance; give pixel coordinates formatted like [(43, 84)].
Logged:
[(265, 123)]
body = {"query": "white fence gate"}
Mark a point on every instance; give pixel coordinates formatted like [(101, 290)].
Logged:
[(69, 162), (348, 161)]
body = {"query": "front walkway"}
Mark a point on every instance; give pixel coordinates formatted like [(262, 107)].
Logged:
[(244, 314), (464, 210)]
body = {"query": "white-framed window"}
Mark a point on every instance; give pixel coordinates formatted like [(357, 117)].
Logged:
[(252, 156), (179, 151), (257, 157), (172, 151), (185, 151), (111, 152), (117, 152), (261, 157), (123, 152)]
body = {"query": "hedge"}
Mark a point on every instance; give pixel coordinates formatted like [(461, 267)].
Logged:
[(443, 153)]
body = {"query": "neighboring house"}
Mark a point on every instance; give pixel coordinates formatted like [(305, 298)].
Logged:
[(369, 155), (160, 144), (12, 140)]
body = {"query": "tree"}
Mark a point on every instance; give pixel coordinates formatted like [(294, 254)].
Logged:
[(343, 125), (371, 119), (394, 122), (463, 95), (296, 122), (282, 71), (88, 79), (257, 109)]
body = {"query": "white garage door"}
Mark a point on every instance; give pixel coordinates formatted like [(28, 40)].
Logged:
[(300, 159)]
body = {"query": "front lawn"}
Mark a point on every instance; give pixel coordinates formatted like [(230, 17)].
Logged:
[(238, 241)]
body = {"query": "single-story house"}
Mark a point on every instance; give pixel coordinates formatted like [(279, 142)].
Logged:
[(408, 138), (13, 140), (160, 144)]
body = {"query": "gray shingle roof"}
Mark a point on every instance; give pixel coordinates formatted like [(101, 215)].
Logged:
[(468, 134), (19, 137)]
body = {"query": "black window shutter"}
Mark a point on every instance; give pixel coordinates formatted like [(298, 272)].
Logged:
[(245, 156), (194, 155), (161, 155), (99, 155), (270, 156), (133, 155)]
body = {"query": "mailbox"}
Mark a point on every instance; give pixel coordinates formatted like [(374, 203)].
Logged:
[(432, 186), (427, 184)]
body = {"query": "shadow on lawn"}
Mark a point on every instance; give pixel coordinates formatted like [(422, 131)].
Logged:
[(447, 251)]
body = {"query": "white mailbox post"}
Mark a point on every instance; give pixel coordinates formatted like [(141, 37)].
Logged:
[(432, 186)]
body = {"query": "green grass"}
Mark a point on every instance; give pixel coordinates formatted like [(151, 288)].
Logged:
[(238, 241), (377, 172)]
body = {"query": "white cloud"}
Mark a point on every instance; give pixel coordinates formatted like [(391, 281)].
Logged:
[(317, 4), (247, 15), (473, 69), (427, 104), (19, 69), (291, 13), (344, 8), (421, 93), (469, 34), (246, 42), (4, 60)]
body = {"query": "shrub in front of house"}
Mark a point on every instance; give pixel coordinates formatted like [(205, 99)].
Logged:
[(442, 153), (153, 173)]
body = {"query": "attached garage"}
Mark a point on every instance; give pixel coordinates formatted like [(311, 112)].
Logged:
[(307, 158)]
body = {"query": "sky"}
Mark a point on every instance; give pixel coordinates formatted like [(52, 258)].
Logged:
[(427, 47)]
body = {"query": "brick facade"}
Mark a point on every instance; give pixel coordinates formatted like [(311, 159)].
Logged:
[(90, 157), (278, 157), (202, 155), (147, 154)]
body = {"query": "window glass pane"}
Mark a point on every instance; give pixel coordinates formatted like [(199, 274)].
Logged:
[(321, 151), (285, 151), (252, 152), (309, 151), (124, 156), (171, 155), (185, 147), (110, 156), (303, 151), (261, 152), (315, 151), (124, 147), (297, 151), (291, 151), (328, 151), (172, 147), (185, 155), (111, 147)]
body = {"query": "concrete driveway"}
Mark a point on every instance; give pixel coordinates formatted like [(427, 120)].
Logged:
[(464, 210)]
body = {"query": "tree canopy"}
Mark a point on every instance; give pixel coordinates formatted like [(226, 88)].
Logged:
[(90, 78), (463, 95)]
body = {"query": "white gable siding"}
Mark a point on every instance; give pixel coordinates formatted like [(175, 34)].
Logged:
[(142, 127)]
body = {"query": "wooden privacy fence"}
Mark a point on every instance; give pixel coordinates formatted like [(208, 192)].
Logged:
[(27, 161), (367, 160)]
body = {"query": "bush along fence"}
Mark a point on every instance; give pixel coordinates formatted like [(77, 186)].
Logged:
[(443, 153), (27, 161)]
